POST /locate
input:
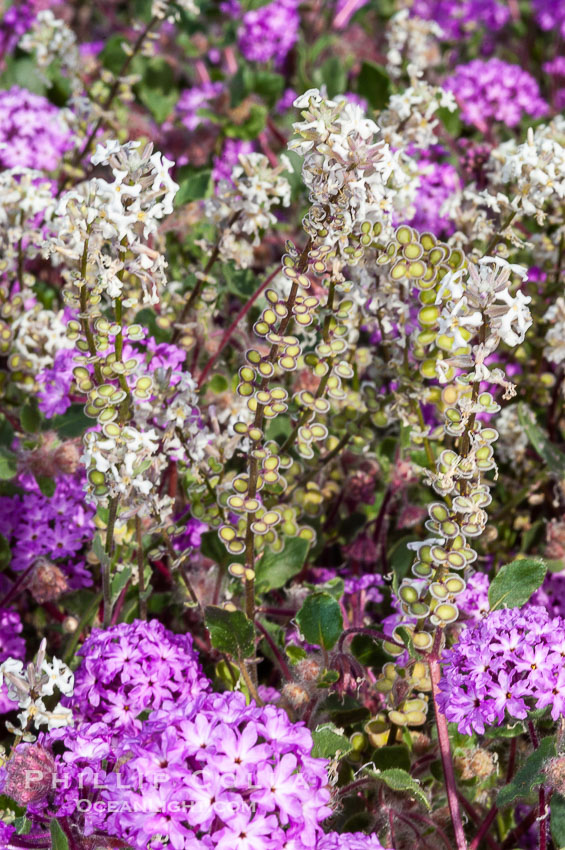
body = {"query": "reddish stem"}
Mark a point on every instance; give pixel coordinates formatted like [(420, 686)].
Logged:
[(445, 752), (230, 331), (276, 651)]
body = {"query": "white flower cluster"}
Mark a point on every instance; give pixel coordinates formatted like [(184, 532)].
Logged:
[(476, 299), (52, 40), (28, 685), (25, 194), (173, 408), (535, 169), (242, 206), (122, 461), (354, 180), (411, 117), (124, 213), (412, 40), (554, 350)]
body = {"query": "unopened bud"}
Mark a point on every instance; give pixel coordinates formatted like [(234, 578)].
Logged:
[(555, 774), (67, 458), (477, 763), (70, 625), (295, 694), (308, 670), (29, 774), (47, 581)]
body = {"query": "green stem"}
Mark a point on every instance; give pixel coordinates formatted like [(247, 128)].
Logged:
[(106, 567)]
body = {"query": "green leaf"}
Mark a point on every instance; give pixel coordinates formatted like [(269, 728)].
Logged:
[(557, 810), (530, 774), (113, 55), (119, 581), (30, 417), (22, 72), (230, 631), (218, 383), (320, 620), (6, 432), (406, 639), (396, 756), (100, 551), (59, 840), (515, 582), (275, 569), (554, 458), (400, 780), (296, 653), (329, 742), (266, 84), (373, 83), (450, 119), (8, 464), (195, 187), (46, 485), (333, 74), (240, 282), (72, 423), (212, 547)]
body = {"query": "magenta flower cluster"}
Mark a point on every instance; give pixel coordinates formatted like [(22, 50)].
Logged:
[(550, 15), (438, 182), (56, 527), (270, 31), (460, 18), (33, 133), (508, 664), (12, 645), (493, 90), (131, 668)]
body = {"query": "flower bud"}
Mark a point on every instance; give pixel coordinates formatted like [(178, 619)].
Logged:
[(308, 670), (477, 763), (29, 774), (295, 694), (555, 774), (47, 581)]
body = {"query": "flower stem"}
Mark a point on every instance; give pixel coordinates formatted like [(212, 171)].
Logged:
[(106, 567), (446, 760)]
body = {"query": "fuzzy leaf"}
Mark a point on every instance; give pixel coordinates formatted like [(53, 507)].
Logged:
[(230, 631), (119, 581), (328, 742), (30, 417), (72, 423), (275, 569), (530, 774), (320, 620), (515, 582), (8, 464), (554, 458), (400, 780)]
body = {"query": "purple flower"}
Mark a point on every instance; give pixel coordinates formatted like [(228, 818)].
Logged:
[(55, 384), (33, 132), (57, 527), (133, 667), (270, 31), (460, 18), (203, 771), (16, 20), (224, 164), (507, 664), (438, 182), (348, 841), (550, 15), (493, 90), (11, 646), (195, 98)]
